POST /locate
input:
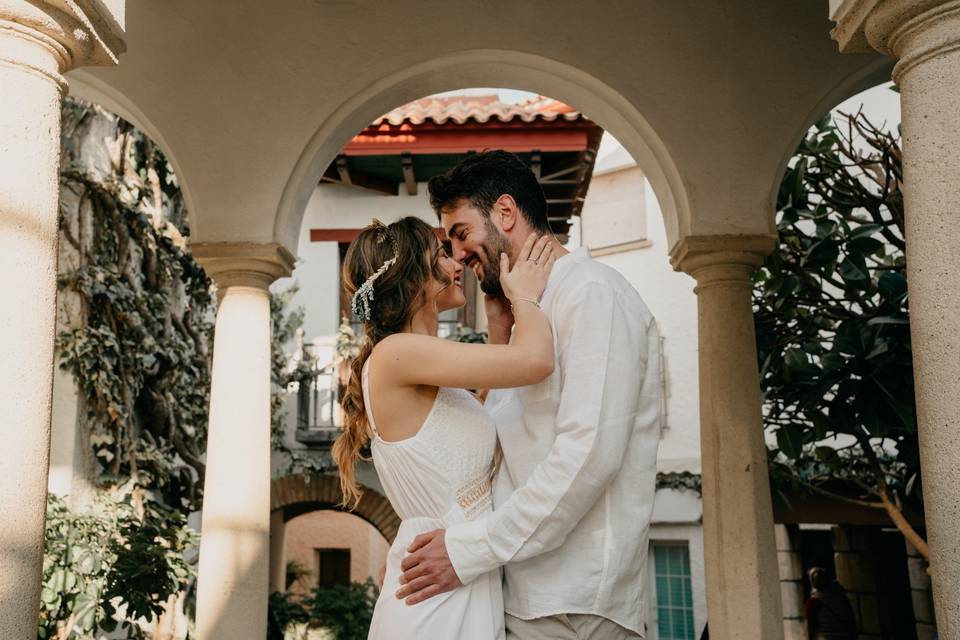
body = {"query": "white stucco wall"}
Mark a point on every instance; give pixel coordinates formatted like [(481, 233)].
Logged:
[(317, 272), (615, 210)]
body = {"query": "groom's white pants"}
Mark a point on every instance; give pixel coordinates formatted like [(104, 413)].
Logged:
[(567, 626)]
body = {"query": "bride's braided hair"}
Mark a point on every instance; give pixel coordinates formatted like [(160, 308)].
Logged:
[(394, 296)]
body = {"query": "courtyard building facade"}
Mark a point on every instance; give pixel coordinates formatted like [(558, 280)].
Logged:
[(252, 102)]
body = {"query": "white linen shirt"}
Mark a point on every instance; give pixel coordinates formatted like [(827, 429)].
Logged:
[(574, 495)]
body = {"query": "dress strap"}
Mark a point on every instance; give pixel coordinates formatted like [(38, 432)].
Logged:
[(365, 385)]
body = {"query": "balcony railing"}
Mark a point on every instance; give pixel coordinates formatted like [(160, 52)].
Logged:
[(318, 403)]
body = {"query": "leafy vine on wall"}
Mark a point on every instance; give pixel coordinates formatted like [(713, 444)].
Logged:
[(137, 343), (135, 321)]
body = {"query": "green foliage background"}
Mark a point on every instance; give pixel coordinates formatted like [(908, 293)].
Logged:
[(831, 309), (105, 555), (135, 325), (344, 611)]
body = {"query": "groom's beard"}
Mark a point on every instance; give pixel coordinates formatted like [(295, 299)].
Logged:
[(494, 245)]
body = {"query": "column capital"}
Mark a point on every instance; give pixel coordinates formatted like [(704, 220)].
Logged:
[(910, 31), (246, 264), (50, 37), (722, 258)]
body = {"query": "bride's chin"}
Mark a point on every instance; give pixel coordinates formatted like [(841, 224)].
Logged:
[(453, 302)]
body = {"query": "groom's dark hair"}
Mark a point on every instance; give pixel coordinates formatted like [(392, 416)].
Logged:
[(483, 177)]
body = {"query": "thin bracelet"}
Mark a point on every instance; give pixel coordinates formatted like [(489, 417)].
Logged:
[(530, 300)]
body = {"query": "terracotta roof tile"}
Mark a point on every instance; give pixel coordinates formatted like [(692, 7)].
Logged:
[(460, 109)]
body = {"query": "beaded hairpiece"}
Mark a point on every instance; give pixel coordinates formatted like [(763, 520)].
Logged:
[(363, 298)]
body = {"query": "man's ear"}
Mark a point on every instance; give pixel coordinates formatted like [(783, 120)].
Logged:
[(506, 206)]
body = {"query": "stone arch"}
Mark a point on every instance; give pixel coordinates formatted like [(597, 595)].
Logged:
[(484, 68), (87, 86), (876, 71), (298, 494)]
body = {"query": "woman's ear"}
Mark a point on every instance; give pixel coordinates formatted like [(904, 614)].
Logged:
[(506, 207)]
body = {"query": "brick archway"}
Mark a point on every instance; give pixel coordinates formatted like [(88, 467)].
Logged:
[(298, 494)]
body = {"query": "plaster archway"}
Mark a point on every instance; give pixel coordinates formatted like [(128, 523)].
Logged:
[(486, 68), (877, 71), (297, 494), (88, 87)]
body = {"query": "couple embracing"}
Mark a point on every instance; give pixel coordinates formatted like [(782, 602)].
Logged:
[(523, 470)]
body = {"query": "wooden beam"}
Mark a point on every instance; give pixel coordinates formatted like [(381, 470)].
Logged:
[(535, 163), (562, 172), (559, 200), (343, 168), (409, 179), (334, 235), (353, 178), (821, 510)]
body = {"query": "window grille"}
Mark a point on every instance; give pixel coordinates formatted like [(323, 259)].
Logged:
[(673, 592)]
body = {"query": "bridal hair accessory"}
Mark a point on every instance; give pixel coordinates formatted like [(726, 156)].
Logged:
[(362, 302)]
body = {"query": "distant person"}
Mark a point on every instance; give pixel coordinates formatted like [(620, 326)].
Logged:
[(827, 611)]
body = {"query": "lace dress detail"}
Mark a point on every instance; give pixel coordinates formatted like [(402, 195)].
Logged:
[(474, 498), (438, 477)]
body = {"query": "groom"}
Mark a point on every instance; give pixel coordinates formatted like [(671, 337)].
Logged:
[(574, 494)]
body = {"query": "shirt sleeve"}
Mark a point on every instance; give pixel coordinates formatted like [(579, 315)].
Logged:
[(602, 357)]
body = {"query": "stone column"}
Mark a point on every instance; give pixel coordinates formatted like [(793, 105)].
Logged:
[(278, 559), (39, 41), (743, 585), (233, 578), (924, 37)]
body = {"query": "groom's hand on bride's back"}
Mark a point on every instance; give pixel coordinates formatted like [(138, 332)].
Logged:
[(427, 570)]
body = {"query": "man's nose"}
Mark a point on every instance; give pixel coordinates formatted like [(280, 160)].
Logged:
[(459, 254)]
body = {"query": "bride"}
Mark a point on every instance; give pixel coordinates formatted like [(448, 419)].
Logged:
[(433, 443)]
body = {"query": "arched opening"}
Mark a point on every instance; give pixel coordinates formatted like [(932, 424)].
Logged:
[(485, 68), (89, 87), (618, 218), (297, 494), (866, 77), (324, 547), (315, 542), (840, 270)]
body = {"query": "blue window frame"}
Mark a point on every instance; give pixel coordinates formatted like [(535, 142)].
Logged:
[(674, 592)]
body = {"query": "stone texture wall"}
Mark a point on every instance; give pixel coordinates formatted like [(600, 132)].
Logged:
[(854, 549), (791, 581), (920, 595)]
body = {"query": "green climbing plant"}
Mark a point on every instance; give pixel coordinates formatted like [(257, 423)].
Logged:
[(134, 327), (138, 346)]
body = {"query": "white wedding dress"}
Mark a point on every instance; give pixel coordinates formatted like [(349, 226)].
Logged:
[(437, 478)]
